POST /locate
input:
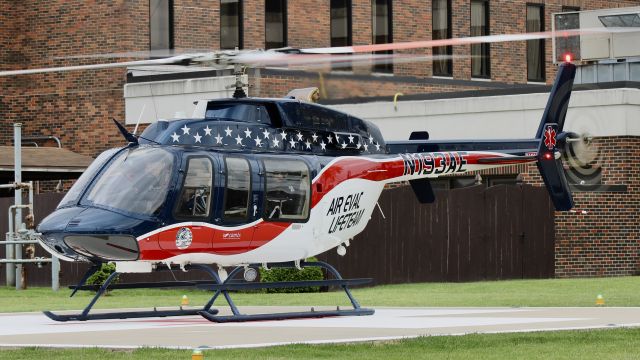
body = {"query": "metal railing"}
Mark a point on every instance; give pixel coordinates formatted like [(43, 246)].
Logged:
[(18, 234)]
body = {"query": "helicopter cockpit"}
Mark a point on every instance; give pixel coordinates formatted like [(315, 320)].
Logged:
[(136, 181)]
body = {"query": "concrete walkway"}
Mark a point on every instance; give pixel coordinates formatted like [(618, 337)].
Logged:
[(34, 329)]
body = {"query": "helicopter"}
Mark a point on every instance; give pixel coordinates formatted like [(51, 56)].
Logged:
[(257, 182)]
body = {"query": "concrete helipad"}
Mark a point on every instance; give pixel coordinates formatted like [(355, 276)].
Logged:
[(34, 329)]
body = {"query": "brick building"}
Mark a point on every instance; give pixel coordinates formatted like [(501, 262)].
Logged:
[(78, 106)]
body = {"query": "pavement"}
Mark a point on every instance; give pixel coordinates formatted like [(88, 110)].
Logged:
[(35, 329)]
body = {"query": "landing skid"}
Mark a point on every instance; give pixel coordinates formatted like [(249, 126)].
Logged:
[(221, 288), (124, 315), (224, 287), (101, 290)]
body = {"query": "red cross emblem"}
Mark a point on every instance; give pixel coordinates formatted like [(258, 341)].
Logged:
[(550, 137)]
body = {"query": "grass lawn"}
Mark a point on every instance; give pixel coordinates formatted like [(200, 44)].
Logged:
[(595, 344), (621, 291)]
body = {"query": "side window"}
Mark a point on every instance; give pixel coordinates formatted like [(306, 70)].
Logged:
[(241, 112), (288, 188), (195, 200), (236, 196)]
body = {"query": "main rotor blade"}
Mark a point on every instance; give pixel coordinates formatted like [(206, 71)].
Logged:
[(181, 59), (347, 61), (461, 41)]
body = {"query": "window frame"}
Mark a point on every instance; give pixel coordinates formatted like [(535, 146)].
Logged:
[(285, 27), (240, 26), (181, 189), (541, 42), (171, 26), (265, 187), (448, 50), (226, 182), (484, 57), (383, 68), (349, 9)]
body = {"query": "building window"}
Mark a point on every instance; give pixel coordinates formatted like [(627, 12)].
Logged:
[(275, 23), (160, 24), (570, 45), (230, 24), (341, 26), (381, 25), (441, 13), (236, 194), (480, 60), (535, 48), (340, 23)]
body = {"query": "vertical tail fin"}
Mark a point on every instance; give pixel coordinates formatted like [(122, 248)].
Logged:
[(551, 125)]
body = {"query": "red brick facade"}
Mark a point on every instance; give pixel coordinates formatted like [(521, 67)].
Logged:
[(78, 106)]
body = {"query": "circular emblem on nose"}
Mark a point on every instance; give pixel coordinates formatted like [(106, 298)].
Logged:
[(183, 238)]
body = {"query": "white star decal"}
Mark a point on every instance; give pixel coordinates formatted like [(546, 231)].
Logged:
[(293, 143), (175, 137), (207, 131), (378, 146), (366, 147), (323, 146), (337, 139), (247, 133), (358, 145), (330, 139), (228, 131), (371, 139), (238, 140), (258, 141), (218, 139), (350, 139), (315, 137), (266, 133), (308, 144), (299, 136), (276, 142), (185, 130), (284, 135), (197, 137), (344, 145)]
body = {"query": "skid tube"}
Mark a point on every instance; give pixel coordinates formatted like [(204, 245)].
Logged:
[(223, 287), (101, 290)]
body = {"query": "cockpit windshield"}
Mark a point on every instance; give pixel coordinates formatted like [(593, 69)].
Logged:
[(137, 181)]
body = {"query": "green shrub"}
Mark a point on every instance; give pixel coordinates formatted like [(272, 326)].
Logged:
[(292, 274), (100, 276)]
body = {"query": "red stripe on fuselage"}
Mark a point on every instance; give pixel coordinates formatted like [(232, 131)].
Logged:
[(217, 241)]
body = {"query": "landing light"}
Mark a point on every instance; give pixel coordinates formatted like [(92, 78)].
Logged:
[(548, 156), (567, 58)]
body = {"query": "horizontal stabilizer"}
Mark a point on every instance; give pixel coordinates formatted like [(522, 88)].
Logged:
[(423, 190)]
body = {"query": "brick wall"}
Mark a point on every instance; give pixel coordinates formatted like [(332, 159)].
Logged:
[(78, 106), (606, 240), (196, 24)]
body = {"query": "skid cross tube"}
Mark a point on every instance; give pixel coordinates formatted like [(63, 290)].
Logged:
[(84, 316), (228, 284)]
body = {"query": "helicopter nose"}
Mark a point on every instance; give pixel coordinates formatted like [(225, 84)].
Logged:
[(91, 233)]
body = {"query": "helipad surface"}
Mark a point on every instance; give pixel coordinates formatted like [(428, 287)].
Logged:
[(34, 329)]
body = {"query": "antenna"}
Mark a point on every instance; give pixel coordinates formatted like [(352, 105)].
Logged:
[(139, 117)]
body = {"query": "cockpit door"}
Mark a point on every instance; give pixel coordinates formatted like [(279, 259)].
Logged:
[(237, 207), (193, 207)]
